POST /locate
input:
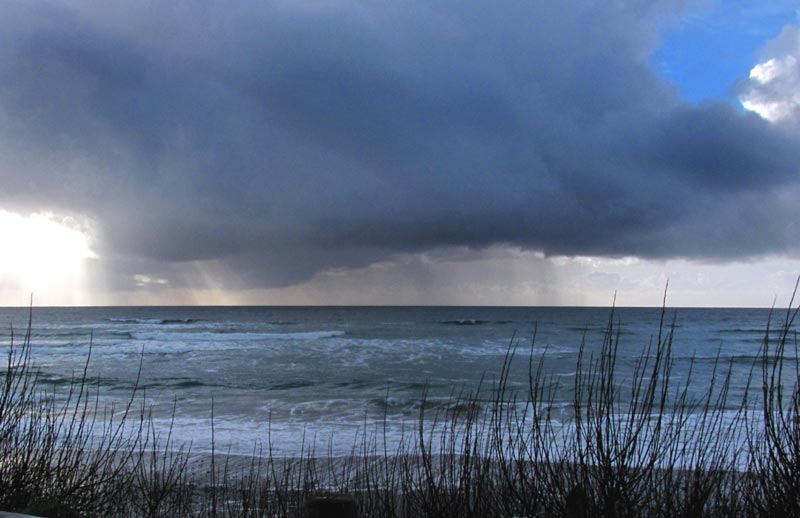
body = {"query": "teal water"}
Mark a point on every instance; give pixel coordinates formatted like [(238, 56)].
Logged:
[(285, 373)]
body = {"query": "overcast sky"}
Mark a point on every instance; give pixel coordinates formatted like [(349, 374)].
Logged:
[(417, 152)]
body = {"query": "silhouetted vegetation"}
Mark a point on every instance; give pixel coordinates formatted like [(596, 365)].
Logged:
[(635, 443)]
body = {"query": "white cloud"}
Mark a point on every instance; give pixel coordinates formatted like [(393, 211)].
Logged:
[(765, 72), (143, 281), (773, 88)]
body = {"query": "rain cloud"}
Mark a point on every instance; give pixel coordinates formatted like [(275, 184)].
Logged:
[(275, 140)]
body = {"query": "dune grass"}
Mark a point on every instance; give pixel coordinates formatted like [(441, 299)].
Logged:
[(638, 444)]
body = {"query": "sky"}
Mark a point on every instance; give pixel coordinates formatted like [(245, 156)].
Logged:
[(418, 152)]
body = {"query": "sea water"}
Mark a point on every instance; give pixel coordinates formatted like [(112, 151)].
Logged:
[(290, 377)]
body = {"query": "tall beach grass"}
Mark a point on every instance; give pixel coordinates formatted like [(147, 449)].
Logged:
[(637, 442)]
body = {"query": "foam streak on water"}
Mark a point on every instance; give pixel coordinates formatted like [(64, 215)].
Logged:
[(279, 373)]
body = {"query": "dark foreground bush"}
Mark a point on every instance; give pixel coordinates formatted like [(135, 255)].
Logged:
[(636, 444)]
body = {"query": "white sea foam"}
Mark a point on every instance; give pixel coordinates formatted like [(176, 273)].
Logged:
[(322, 370), (209, 336)]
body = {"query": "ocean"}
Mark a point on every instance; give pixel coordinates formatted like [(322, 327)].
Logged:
[(291, 377)]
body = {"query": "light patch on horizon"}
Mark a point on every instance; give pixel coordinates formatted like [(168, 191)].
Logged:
[(500, 275), (508, 276), (44, 257)]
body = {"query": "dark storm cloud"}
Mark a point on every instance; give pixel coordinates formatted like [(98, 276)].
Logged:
[(716, 147), (276, 139)]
